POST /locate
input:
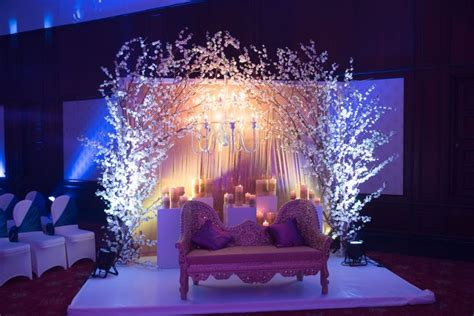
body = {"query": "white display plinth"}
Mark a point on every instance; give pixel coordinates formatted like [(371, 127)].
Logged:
[(235, 215), (169, 231), (319, 212), (209, 200), (267, 203)]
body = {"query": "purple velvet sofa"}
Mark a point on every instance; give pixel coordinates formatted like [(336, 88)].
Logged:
[(251, 255)]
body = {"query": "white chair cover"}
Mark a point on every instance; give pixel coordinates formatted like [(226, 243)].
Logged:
[(7, 203), (39, 200), (46, 251), (15, 260), (80, 244)]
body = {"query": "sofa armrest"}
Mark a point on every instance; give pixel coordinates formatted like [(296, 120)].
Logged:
[(320, 242), (184, 247)]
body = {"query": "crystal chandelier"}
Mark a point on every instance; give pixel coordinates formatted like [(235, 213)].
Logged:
[(227, 120)]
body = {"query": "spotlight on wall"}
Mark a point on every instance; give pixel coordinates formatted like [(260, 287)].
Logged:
[(51, 198), (355, 254)]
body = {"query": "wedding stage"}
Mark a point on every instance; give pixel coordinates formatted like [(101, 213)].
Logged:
[(146, 290)]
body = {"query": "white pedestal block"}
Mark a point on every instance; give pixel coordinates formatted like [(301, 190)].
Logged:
[(235, 215), (267, 203), (169, 231), (319, 212), (208, 200)]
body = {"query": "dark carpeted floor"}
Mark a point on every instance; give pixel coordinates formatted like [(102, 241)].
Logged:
[(451, 281)]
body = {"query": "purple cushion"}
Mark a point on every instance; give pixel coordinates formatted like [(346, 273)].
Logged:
[(209, 236), (286, 234)]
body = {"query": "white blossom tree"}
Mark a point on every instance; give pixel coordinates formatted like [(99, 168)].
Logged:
[(147, 93), (330, 123)]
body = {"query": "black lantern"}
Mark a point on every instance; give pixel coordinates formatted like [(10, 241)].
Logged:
[(355, 254), (106, 259)]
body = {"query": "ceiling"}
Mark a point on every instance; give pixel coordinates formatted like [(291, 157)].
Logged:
[(26, 15)]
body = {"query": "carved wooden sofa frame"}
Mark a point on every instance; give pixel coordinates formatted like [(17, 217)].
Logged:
[(195, 213)]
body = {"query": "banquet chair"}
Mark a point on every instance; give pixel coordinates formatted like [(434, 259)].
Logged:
[(39, 201), (80, 243), (7, 203), (46, 251), (15, 257)]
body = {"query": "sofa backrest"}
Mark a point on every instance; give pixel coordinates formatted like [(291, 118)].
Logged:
[(194, 214), (304, 211)]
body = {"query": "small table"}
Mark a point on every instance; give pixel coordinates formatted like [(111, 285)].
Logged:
[(169, 231), (235, 215)]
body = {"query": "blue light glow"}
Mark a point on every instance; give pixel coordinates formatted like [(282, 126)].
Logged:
[(13, 26), (81, 165), (48, 21)]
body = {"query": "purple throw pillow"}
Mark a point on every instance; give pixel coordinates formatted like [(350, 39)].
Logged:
[(286, 234), (211, 237)]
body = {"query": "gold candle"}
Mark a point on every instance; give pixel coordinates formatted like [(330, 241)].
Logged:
[(174, 198), (180, 191), (303, 192), (230, 198), (166, 201), (272, 186), (239, 195), (196, 187), (252, 200), (260, 217), (270, 217), (260, 186), (247, 198), (292, 195), (202, 187), (208, 187), (182, 199)]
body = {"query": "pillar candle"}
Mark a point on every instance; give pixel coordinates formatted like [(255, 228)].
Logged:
[(202, 187), (230, 198), (208, 187), (180, 191), (260, 186), (303, 192), (174, 198), (270, 217), (252, 200), (272, 186), (247, 198), (239, 195), (196, 187), (292, 195), (317, 200), (260, 217), (311, 195), (182, 199), (166, 201)]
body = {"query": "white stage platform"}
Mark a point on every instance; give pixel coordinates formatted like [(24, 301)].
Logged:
[(140, 290)]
